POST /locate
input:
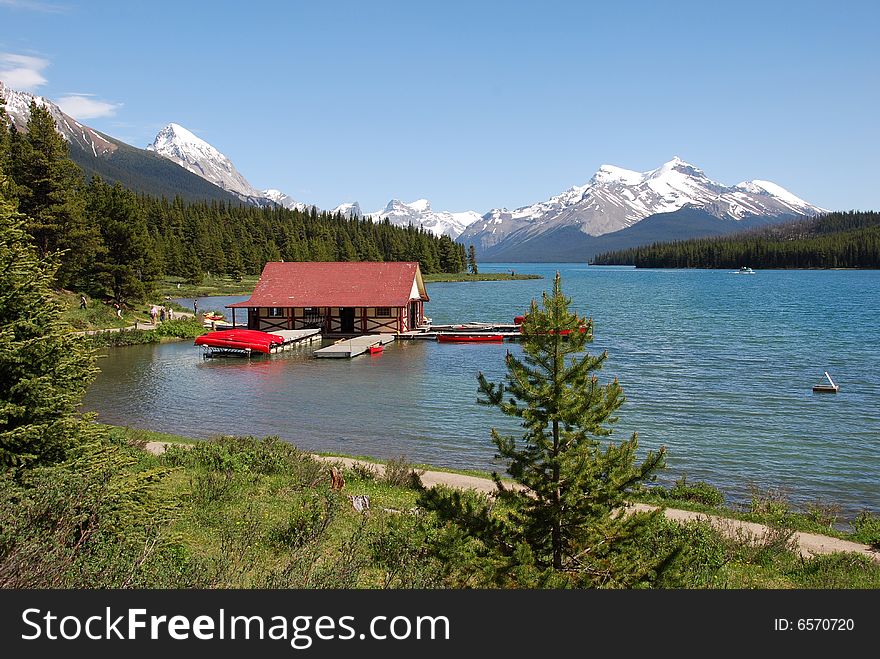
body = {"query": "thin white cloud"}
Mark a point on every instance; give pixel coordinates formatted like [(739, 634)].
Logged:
[(22, 71), (33, 5), (82, 106)]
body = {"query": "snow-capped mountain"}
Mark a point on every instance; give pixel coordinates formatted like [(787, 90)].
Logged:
[(193, 153), (352, 209), (113, 160), (419, 213), (18, 108), (284, 200), (616, 198)]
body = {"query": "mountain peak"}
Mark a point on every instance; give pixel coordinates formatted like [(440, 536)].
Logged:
[(176, 137), (193, 153), (677, 165), (418, 213), (614, 174)]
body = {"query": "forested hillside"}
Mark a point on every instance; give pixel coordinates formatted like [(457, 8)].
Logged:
[(116, 243), (835, 240)]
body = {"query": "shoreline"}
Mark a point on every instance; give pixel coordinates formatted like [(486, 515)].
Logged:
[(807, 543)]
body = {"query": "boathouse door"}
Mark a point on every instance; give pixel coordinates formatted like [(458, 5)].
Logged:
[(414, 320), (346, 320)]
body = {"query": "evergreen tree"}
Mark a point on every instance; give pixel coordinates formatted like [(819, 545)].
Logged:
[(48, 186), (565, 525), (472, 259), (129, 267), (44, 370)]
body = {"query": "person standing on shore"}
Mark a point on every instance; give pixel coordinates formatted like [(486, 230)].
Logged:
[(82, 301), (195, 307), (170, 314)]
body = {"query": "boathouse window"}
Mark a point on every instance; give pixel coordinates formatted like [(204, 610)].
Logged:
[(383, 312), (276, 312)]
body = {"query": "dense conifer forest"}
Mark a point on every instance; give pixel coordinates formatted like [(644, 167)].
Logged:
[(836, 240), (116, 243)]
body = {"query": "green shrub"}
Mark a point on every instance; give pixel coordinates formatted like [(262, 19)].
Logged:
[(771, 504), (399, 472), (698, 492), (866, 528), (310, 515), (822, 513), (363, 472), (835, 571)]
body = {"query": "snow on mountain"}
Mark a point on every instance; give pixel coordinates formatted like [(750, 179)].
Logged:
[(18, 108), (284, 200), (350, 209), (419, 213), (617, 198), (190, 152)]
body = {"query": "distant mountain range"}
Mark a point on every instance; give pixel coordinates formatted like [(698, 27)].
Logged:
[(617, 208), (613, 210)]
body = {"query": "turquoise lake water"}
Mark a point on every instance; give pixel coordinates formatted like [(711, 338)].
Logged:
[(718, 367)]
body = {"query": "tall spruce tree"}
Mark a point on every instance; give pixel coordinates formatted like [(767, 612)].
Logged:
[(472, 259), (565, 524), (48, 186), (44, 370), (128, 267)]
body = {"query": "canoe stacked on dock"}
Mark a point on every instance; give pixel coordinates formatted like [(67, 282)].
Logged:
[(245, 340)]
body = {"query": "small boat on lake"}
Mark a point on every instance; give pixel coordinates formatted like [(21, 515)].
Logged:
[(240, 340), (470, 338), (377, 350), (829, 388), (744, 271)]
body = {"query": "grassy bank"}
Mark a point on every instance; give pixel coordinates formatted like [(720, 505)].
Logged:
[(769, 507), (487, 276), (101, 314), (260, 513), (186, 328), (98, 314)]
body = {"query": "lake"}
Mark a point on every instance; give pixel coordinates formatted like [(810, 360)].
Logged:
[(716, 366)]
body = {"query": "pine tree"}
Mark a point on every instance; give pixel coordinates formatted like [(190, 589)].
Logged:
[(44, 370), (48, 186), (472, 259), (129, 266), (565, 525)]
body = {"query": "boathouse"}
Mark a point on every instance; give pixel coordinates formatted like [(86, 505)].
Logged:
[(337, 297)]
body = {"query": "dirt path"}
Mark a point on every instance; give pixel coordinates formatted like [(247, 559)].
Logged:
[(138, 325), (808, 544)]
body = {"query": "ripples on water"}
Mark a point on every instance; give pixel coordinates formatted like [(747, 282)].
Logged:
[(717, 367)]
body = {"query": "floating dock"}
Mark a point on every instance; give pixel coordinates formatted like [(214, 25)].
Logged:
[(296, 337), (430, 333), (290, 338), (358, 345)]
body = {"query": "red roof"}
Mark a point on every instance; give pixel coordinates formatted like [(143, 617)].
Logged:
[(336, 284)]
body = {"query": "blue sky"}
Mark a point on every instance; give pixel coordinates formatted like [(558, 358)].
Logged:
[(473, 105)]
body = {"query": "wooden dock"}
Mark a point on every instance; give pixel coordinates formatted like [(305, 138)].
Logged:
[(348, 348), (296, 337), (430, 333)]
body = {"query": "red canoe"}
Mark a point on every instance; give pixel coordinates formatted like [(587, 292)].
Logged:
[(376, 350), (470, 338), (241, 339)]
